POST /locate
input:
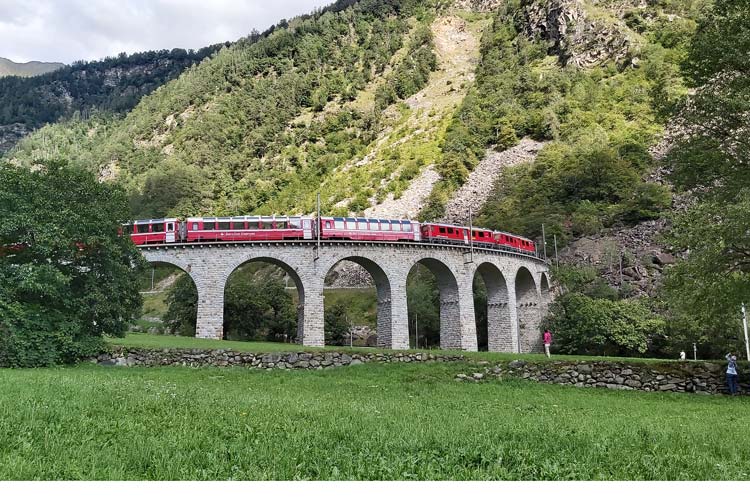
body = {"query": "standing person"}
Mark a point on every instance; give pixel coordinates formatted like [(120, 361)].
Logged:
[(732, 373), (547, 342)]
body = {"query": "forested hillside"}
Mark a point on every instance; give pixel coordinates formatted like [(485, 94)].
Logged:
[(112, 85)]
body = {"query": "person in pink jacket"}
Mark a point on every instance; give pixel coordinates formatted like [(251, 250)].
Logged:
[(547, 342)]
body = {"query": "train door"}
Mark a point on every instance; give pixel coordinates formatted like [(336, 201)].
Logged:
[(466, 237), (170, 232), (307, 229), (417, 231)]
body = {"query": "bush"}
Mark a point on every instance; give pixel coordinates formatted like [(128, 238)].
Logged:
[(602, 327)]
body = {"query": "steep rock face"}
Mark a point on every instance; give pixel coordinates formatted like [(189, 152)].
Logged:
[(478, 5), (632, 259), (579, 32), (11, 134)]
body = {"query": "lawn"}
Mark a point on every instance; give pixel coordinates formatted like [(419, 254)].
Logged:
[(372, 421)]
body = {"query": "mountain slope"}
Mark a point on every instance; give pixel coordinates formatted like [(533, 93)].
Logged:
[(114, 85), (31, 68), (389, 107)]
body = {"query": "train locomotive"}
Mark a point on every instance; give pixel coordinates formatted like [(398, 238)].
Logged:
[(280, 228)]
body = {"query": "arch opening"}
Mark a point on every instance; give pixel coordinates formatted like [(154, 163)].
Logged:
[(170, 301), (358, 305), (491, 309), (546, 293), (527, 310), (433, 306), (263, 301)]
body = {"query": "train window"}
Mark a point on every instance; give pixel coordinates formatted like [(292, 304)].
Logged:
[(223, 226), (442, 230), (209, 226), (329, 224), (195, 226), (238, 225), (282, 224), (294, 223), (339, 224), (158, 227), (406, 226), (143, 228), (385, 225)]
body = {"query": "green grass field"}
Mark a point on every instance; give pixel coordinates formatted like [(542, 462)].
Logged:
[(364, 422)]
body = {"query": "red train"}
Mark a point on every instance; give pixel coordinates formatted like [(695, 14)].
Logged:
[(277, 228)]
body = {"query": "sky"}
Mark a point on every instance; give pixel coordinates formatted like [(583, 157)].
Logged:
[(72, 30)]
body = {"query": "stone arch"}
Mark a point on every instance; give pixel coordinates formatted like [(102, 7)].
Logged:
[(450, 310), (545, 292), (202, 330), (527, 311), (499, 335), (383, 291), (167, 258), (291, 272)]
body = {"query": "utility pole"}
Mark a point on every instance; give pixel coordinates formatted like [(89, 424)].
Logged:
[(152, 285), (317, 229), (744, 324), (544, 243), (471, 236), (695, 352), (557, 259), (416, 330)]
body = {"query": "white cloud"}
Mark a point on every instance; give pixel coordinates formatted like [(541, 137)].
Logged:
[(70, 30)]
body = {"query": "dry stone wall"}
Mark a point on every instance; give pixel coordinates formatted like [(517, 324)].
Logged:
[(688, 376), (685, 377), (126, 356)]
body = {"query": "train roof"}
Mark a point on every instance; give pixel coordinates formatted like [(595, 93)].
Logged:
[(248, 217), (151, 221), (369, 219)]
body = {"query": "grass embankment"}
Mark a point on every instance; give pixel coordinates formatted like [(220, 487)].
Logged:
[(364, 422), (173, 342)]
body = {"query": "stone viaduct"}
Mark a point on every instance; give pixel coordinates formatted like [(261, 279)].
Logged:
[(518, 287)]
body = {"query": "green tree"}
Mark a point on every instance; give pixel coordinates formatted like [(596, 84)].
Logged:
[(711, 157), (182, 307), (337, 325), (585, 325), (423, 301), (67, 276)]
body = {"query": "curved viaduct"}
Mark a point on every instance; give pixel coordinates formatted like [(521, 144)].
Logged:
[(518, 287)]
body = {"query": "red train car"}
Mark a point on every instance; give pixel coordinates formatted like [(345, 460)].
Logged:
[(152, 231), (365, 229), (512, 242), (445, 233), (249, 228), (482, 237)]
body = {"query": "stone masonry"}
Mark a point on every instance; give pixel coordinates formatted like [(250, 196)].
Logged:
[(669, 376), (517, 287)]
